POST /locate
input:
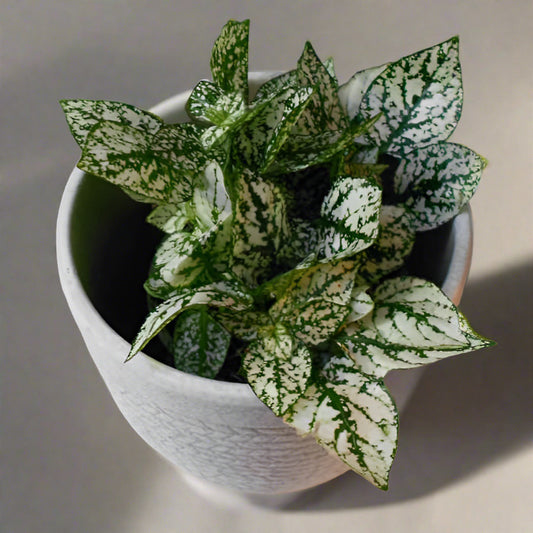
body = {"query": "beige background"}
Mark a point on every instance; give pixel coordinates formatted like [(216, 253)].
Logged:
[(70, 463)]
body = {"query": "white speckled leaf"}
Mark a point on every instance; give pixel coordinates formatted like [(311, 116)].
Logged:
[(176, 264), (259, 226), (350, 215), (170, 218), (420, 98), (351, 415), (437, 181), (315, 301), (200, 343), (161, 168), (360, 304), (219, 294), (275, 85), (229, 58), (83, 115), (394, 243), (324, 111), (413, 323), (278, 368), (302, 151), (351, 93), (259, 142)]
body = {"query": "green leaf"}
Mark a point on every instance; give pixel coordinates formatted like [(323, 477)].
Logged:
[(394, 243), (314, 302), (219, 294), (229, 58), (420, 98), (324, 111), (351, 93), (351, 415), (437, 181), (83, 115), (350, 217), (200, 344), (278, 368), (413, 323), (259, 226)]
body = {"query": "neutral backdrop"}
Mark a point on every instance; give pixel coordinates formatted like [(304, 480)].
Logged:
[(69, 462)]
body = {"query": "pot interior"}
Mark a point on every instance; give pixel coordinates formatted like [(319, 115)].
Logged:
[(112, 247)]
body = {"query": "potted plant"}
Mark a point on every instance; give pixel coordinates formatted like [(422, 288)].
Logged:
[(290, 228)]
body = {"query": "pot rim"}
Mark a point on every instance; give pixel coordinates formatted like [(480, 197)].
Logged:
[(81, 305)]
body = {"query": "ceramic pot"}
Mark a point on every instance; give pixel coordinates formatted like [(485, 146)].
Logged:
[(215, 431)]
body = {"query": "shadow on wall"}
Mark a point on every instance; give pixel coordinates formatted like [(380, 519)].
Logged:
[(467, 411)]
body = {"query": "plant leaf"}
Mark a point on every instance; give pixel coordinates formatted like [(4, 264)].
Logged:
[(160, 168), (351, 93), (413, 323), (278, 368), (259, 226), (437, 181), (315, 301), (200, 344), (324, 111), (350, 216), (219, 294), (351, 415), (170, 218), (360, 304), (177, 264), (260, 140), (83, 115), (302, 151), (229, 58), (394, 243), (420, 98)]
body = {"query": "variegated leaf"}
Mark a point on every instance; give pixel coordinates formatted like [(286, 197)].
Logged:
[(170, 218), (324, 111), (350, 217), (244, 325), (413, 323), (277, 368), (420, 98), (161, 168), (211, 201), (259, 142), (437, 181), (218, 294), (229, 58), (259, 226), (200, 344), (302, 241), (315, 301), (394, 243), (351, 93), (361, 304), (275, 85), (83, 115), (176, 264), (303, 151), (351, 415)]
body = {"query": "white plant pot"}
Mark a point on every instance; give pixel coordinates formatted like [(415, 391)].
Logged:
[(215, 431)]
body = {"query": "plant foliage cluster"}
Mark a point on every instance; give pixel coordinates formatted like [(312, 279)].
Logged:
[(286, 217)]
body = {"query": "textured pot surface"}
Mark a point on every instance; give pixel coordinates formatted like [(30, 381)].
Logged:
[(217, 431)]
